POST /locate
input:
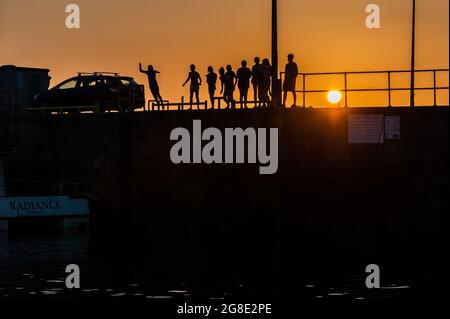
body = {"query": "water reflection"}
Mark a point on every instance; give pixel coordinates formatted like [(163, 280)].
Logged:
[(34, 267)]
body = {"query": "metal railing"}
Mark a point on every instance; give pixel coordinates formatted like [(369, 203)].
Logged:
[(64, 109), (153, 104), (180, 106), (346, 90), (236, 103)]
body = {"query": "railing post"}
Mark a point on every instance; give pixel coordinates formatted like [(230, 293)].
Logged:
[(346, 90), (281, 91), (389, 89), (434, 87), (304, 89)]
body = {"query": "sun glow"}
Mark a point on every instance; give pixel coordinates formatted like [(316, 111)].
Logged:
[(334, 97)]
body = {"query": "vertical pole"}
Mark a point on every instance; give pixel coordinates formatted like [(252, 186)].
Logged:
[(276, 93), (304, 90), (346, 89), (434, 87), (389, 89), (413, 54), (2, 177)]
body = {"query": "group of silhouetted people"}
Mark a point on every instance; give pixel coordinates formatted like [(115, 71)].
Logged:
[(259, 76)]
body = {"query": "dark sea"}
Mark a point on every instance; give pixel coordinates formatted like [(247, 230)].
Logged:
[(33, 267)]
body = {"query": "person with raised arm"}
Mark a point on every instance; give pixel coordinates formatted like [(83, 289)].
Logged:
[(152, 82)]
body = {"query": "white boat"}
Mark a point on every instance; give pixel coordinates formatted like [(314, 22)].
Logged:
[(63, 211)]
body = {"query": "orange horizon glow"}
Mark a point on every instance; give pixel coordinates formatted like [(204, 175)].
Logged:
[(324, 35)]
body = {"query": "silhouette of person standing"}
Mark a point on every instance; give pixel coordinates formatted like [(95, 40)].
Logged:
[(211, 79), (230, 73), (243, 75), (227, 87), (264, 83), (152, 82), (289, 85), (256, 78), (196, 81)]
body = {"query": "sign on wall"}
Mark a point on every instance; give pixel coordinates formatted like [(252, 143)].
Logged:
[(16, 207), (392, 128), (365, 129)]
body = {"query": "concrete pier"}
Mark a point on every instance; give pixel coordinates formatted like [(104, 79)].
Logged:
[(341, 190)]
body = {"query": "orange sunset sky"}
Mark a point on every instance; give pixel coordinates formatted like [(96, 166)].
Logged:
[(325, 35)]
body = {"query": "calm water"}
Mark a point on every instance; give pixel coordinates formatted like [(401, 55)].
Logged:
[(34, 267)]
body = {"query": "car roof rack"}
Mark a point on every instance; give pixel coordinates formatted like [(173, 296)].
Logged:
[(98, 73)]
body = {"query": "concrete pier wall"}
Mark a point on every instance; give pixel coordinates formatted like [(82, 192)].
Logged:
[(330, 199)]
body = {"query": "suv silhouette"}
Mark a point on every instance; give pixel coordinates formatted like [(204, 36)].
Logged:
[(106, 91)]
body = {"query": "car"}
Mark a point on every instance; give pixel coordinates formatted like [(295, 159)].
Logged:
[(106, 91)]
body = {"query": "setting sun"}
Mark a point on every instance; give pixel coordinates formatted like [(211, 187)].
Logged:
[(334, 97)]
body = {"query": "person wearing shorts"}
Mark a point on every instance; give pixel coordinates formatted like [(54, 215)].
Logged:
[(289, 85), (196, 80)]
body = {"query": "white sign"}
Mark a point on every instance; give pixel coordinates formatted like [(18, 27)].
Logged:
[(365, 129), (392, 128), (16, 207)]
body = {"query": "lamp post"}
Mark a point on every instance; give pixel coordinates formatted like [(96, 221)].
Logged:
[(276, 86), (413, 54)]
